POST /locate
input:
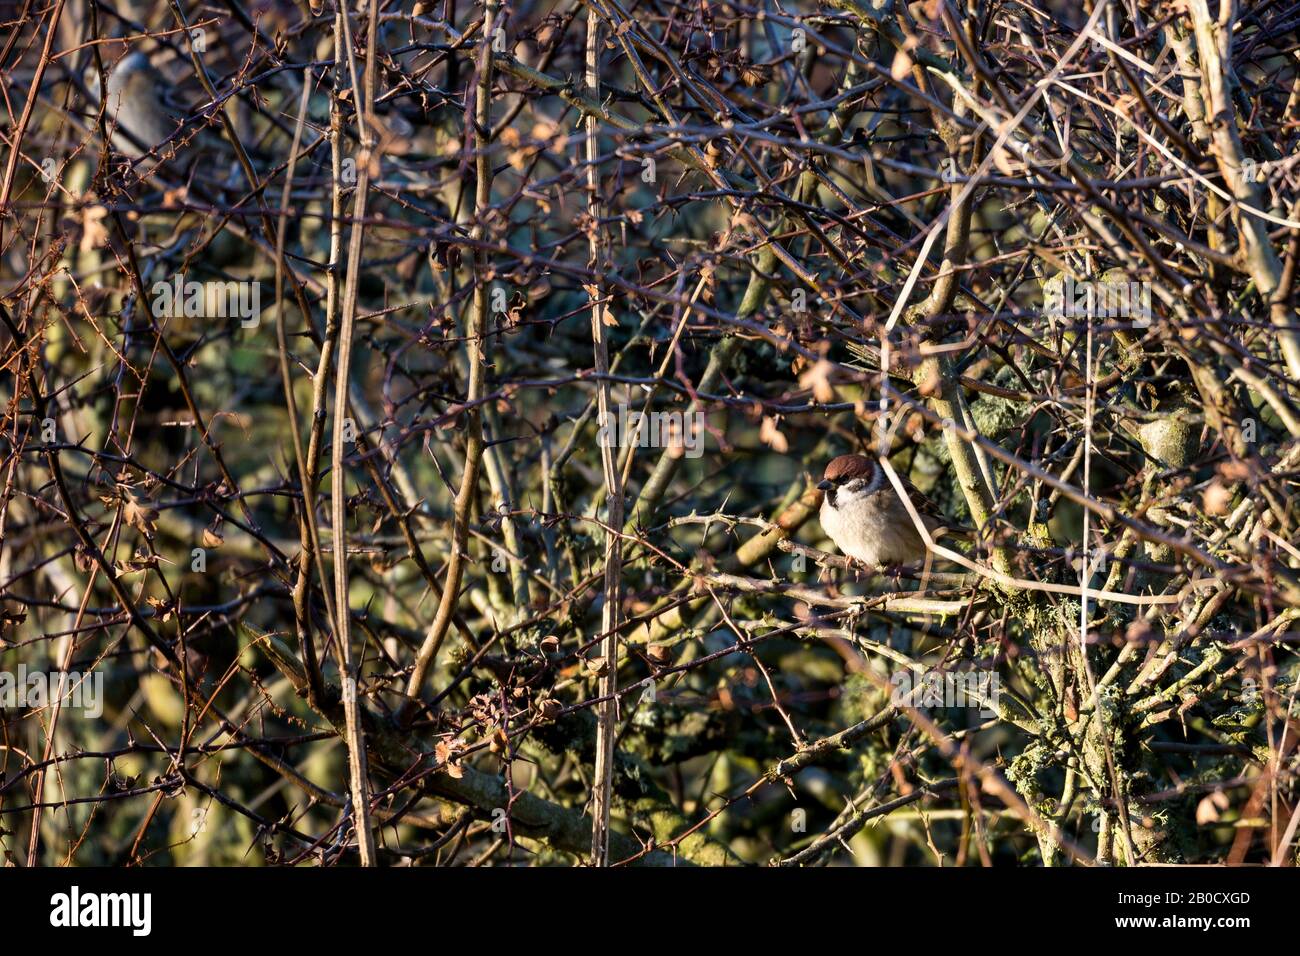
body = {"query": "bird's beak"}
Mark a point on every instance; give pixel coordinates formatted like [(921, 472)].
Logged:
[(825, 485)]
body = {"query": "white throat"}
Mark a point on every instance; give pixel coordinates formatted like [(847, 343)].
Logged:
[(858, 490)]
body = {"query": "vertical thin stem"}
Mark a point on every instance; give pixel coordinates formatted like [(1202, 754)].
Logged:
[(309, 534), (351, 709), (607, 713)]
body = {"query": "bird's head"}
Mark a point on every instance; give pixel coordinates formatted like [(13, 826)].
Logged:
[(849, 477)]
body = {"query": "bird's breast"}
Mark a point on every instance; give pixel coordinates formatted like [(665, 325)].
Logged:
[(874, 529)]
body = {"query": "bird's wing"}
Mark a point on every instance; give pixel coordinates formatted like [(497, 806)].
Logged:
[(929, 511)]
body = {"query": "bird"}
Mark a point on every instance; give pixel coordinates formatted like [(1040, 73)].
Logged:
[(135, 106), (866, 519), (153, 122)]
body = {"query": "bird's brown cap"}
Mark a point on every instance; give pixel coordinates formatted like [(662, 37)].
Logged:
[(847, 467)]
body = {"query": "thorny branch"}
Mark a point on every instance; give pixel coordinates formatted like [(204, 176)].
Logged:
[(600, 287)]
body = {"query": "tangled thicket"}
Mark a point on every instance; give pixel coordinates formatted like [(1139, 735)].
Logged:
[(474, 232)]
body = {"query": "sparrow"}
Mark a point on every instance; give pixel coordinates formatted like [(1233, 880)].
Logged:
[(136, 110), (146, 113), (866, 519)]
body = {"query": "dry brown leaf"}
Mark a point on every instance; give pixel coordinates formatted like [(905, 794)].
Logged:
[(163, 610), (445, 753), (818, 378), (771, 436), (1210, 807), (902, 65), (930, 386), (93, 231), (1216, 498), (1234, 470), (139, 516)]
